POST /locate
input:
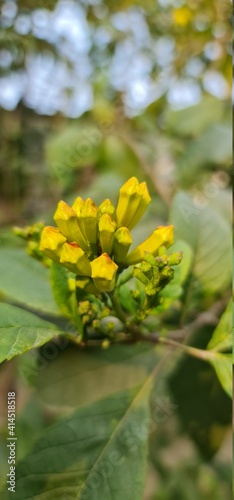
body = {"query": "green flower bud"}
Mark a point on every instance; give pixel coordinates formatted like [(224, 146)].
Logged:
[(175, 258), (83, 307), (167, 272), (140, 276), (146, 267), (161, 261), (150, 259)]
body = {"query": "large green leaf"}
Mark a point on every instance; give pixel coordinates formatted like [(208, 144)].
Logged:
[(203, 406), (25, 280), (98, 452), (79, 377), (222, 336), (21, 331), (209, 234)]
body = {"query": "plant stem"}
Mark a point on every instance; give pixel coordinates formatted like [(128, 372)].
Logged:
[(118, 309)]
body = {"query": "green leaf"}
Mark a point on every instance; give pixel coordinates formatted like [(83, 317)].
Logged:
[(25, 280), (209, 235), (222, 364), (79, 377), (98, 452), (21, 331), (60, 288), (204, 408), (222, 336)]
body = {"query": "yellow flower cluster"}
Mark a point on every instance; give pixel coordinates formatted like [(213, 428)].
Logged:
[(93, 242)]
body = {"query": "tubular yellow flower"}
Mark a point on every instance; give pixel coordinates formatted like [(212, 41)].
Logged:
[(104, 272), (74, 259), (85, 231), (129, 199), (163, 235), (106, 233), (87, 218), (122, 242), (106, 207), (51, 242), (66, 220), (133, 201), (143, 204)]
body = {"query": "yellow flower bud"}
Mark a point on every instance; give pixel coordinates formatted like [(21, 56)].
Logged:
[(104, 272), (143, 204), (74, 259), (88, 220), (129, 199), (122, 242), (163, 235), (66, 220), (77, 205), (51, 242), (106, 207), (106, 233), (133, 201)]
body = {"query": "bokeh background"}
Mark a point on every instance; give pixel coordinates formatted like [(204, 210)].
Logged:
[(92, 93)]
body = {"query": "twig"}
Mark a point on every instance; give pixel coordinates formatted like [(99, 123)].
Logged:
[(175, 337)]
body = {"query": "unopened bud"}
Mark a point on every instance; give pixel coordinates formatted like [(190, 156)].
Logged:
[(122, 243), (106, 207), (104, 272), (88, 220), (66, 220), (163, 235), (175, 258), (52, 242), (106, 233), (74, 259)]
